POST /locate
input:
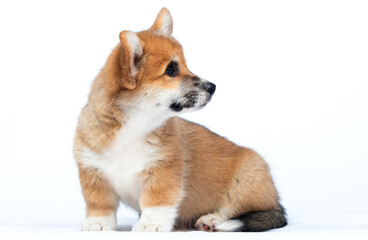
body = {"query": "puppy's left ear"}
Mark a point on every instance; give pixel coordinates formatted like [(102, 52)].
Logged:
[(163, 23), (131, 54)]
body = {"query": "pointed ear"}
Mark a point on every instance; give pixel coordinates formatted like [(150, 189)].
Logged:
[(131, 53), (163, 22)]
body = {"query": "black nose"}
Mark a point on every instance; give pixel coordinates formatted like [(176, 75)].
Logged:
[(210, 87)]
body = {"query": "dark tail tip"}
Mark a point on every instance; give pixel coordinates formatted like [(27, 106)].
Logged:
[(259, 221)]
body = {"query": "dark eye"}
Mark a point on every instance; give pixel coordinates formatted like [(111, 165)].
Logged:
[(172, 69)]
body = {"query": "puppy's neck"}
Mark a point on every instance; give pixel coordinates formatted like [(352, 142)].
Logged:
[(142, 122)]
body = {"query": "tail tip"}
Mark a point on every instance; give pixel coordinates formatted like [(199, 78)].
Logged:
[(230, 226)]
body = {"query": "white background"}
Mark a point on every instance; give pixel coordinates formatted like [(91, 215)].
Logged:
[(292, 83)]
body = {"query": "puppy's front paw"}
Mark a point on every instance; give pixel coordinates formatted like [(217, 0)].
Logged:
[(99, 224), (150, 227), (156, 219)]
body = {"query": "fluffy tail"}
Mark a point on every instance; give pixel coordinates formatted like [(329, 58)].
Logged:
[(256, 221)]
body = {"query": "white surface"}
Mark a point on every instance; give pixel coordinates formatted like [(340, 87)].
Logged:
[(292, 83), (324, 227)]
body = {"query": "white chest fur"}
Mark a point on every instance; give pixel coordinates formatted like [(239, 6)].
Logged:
[(123, 162)]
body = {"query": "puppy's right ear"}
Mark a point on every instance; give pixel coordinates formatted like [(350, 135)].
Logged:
[(131, 53)]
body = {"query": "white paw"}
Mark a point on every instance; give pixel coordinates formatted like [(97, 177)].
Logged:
[(150, 227), (209, 223), (156, 219), (99, 224)]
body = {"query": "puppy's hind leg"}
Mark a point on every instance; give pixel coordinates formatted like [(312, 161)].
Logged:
[(251, 201)]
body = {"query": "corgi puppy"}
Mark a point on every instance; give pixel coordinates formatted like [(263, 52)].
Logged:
[(130, 146)]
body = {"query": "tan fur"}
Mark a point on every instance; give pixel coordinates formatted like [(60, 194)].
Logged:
[(197, 170)]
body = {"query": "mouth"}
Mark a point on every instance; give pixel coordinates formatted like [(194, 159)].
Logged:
[(177, 106), (192, 100)]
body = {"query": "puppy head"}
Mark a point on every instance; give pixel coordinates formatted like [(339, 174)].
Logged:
[(153, 75)]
